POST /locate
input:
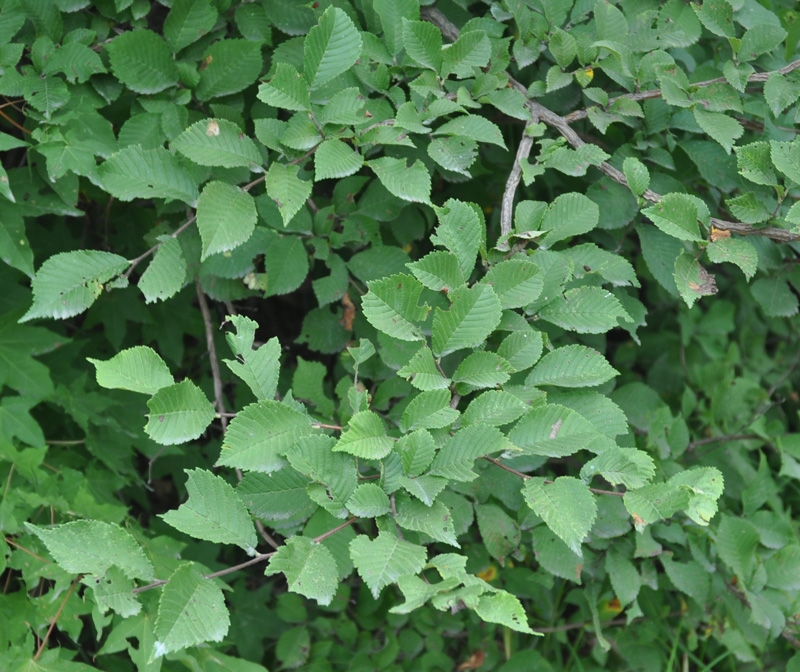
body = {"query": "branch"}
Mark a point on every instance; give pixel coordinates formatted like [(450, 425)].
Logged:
[(596, 491), (523, 152), (55, 618), (586, 624), (252, 561), (723, 439), (656, 93), (212, 354), (538, 111), (135, 262)]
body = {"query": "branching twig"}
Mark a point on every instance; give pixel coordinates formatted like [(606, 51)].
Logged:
[(252, 561), (507, 207), (596, 491), (656, 93), (135, 262), (562, 126)]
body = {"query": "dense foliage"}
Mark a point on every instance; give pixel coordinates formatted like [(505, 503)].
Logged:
[(362, 335)]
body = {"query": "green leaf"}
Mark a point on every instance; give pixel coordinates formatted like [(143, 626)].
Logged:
[(287, 190), (68, 283), (434, 520), (428, 410), (471, 50), (655, 502), (724, 129), (554, 431), (676, 215), (365, 437), (522, 349), (585, 310), (226, 217), (187, 22), (637, 175), (261, 434), (454, 153), (423, 43), (422, 373), (369, 501), (505, 609), (780, 92), (517, 282), (611, 267), (460, 231), (474, 314), (408, 183), (178, 413), (737, 540), (331, 48), (281, 495), (494, 408), (500, 533), (231, 66), (287, 89), (392, 306), (786, 157), (755, 163), (416, 451), (217, 142), (134, 172), (457, 456), (627, 466), (475, 128), (759, 40), (142, 61), (393, 14), (482, 369), (309, 567), (692, 280), (717, 17), (736, 251), (257, 367), (191, 611), (424, 488), (166, 273), (286, 265), (625, 580), (213, 512), (568, 215), (775, 296), (705, 486), (783, 568), (138, 369), (572, 366), (335, 158), (15, 249), (383, 560), (567, 507), (92, 546)]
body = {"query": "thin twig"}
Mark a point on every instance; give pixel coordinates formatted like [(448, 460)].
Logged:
[(596, 491), (321, 425), (723, 439), (656, 93), (258, 180), (212, 354), (25, 550), (311, 151), (252, 561), (586, 624), (72, 442), (55, 618), (135, 262), (385, 122), (507, 207), (266, 536)]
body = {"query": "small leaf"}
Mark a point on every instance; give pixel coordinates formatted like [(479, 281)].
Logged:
[(428, 410), (178, 413), (736, 251), (365, 437), (567, 507), (637, 175), (627, 466), (368, 501), (330, 48), (474, 315), (383, 560), (572, 366), (231, 66), (258, 368), (457, 456), (217, 142), (422, 373), (134, 172), (676, 215), (554, 431), (309, 567), (410, 183), (187, 22), (475, 128), (692, 280), (434, 520), (287, 190), (335, 158), (423, 43), (655, 502), (166, 273), (460, 231), (213, 512), (191, 611), (68, 283), (505, 609), (517, 282), (392, 306), (775, 296), (138, 369), (226, 217), (416, 452), (585, 310), (142, 61), (724, 129), (287, 89)]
